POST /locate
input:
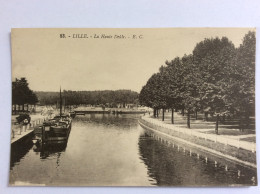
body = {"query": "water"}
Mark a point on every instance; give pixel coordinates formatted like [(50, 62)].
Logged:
[(105, 150)]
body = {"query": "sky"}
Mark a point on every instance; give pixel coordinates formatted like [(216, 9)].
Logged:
[(49, 60)]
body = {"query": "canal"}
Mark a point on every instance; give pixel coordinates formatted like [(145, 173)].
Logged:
[(115, 150)]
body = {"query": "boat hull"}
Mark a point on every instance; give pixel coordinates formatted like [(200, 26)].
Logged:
[(52, 133)]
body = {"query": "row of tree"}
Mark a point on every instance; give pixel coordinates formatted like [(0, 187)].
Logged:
[(216, 79), (22, 94), (107, 98)]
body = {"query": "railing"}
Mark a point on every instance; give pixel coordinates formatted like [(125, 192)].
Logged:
[(251, 146)]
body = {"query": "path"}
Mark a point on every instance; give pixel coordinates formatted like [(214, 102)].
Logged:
[(204, 130)]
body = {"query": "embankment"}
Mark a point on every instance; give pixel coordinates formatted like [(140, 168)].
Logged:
[(213, 144)]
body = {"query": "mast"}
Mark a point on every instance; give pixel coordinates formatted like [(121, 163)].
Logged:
[(60, 103)]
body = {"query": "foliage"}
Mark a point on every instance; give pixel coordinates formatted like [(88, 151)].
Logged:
[(21, 93), (105, 97), (217, 79)]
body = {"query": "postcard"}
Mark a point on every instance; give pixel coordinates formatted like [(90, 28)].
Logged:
[(133, 107)]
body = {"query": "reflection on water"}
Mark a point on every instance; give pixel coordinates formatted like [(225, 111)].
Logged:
[(174, 166), (48, 150), (114, 150), (19, 150)]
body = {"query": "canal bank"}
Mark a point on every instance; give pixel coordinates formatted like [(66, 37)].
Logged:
[(238, 152), (20, 132)]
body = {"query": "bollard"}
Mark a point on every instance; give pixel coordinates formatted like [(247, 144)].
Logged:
[(226, 168), (253, 180), (20, 131), (238, 173), (216, 163), (24, 128), (184, 150), (198, 156), (253, 149), (190, 152), (206, 160), (178, 148)]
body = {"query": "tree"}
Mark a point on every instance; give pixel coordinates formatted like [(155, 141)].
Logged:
[(174, 86), (22, 94), (153, 93), (240, 98), (217, 78), (212, 58), (109, 97)]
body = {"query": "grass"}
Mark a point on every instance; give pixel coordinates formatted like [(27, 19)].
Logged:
[(232, 132), (249, 139)]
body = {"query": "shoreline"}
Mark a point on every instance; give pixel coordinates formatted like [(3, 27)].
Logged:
[(193, 140)]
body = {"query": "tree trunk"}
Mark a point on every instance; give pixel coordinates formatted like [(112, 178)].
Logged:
[(154, 112), (182, 111), (196, 114), (172, 115), (206, 116), (224, 118), (157, 113), (247, 118), (188, 119), (15, 109), (23, 107), (216, 129), (27, 107), (241, 122), (163, 114)]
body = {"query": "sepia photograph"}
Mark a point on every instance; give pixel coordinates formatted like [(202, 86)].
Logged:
[(160, 107)]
